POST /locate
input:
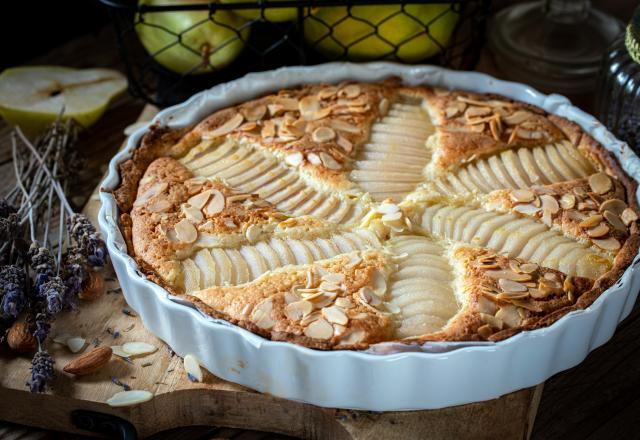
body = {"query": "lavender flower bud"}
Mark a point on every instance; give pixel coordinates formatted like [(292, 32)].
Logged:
[(41, 371), (53, 292), (9, 227), (12, 288), (42, 263), (42, 328), (87, 239), (74, 271)]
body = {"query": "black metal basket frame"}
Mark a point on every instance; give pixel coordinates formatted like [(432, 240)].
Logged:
[(171, 87)]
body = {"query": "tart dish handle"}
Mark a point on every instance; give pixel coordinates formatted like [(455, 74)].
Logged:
[(105, 424)]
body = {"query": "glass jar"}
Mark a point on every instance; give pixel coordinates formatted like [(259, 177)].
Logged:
[(618, 91)]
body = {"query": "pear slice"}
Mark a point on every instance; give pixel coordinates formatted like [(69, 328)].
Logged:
[(33, 97)]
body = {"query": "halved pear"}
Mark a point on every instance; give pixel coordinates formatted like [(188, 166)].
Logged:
[(33, 97)]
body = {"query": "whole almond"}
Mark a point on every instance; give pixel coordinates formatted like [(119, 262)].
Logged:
[(20, 338), (89, 362), (93, 287)]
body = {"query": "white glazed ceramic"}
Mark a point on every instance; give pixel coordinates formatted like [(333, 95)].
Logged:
[(348, 379)]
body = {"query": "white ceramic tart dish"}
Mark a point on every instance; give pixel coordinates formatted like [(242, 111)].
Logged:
[(376, 236)]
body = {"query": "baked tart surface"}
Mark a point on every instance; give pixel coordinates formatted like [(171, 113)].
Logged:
[(338, 216)]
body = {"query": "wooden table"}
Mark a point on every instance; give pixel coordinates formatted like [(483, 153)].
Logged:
[(600, 398)]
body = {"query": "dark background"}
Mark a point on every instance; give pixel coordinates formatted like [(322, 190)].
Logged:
[(38, 26)]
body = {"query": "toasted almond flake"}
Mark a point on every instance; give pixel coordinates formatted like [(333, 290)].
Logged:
[(319, 329), (248, 126), (217, 203), (129, 398), (344, 303), (516, 118), (252, 233), (522, 195), (509, 315), (526, 209), (353, 337), (199, 200), (508, 275), (226, 128), (528, 267), (567, 201), (76, 344), (333, 277), (629, 216), (383, 106), (151, 192), (314, 159), (591, 221), (616, 206), (192, 368), (261, 314), (351, 91), (160, 205), (327, 92), (339, 124), (484, 331), (492, 321), (268, 129), (495, 127), (119, 351), (294, 159), (308, 106), (608, 244), (329, 162), (598, 231), (511, 286), (323, 134), (255, 113), (478, 128), (452, 111), (549, 203), (615, 221), (138, 348), (474, 112), (335, 315), (191, 213), (298, 310), (600, 183), (367, 297), (378, 283), (185, 231)]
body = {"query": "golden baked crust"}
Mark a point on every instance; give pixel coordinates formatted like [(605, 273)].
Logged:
[(338, 216)]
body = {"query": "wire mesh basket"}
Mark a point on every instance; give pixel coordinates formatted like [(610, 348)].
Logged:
[(174, 48)]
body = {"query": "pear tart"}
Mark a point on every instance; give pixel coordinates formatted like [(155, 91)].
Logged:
[(339, 216)]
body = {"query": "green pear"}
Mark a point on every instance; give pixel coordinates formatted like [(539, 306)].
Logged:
[(33, 97), (333, 35), (270, 14), (204, 46)]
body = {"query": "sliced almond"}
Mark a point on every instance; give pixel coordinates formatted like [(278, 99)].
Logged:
[(511, 286), (216, 204), (294, 159), (484, 331), (345, 144), (509, 315), (378, 283), (517, 117), (351, 91), (600, 183), (160, 205), (327, 92), (528, 267), (319, 329), (475, 112), (591, 221), (329, 162), (192, 213), (616, 206), (298, 310), (199, 200), (255, 113), (383, 106), (522, 195), (508, 275), (335, 315), (353, 337), (615, 221), (185, 231), (367, 297), (598, 231), (333, 277), (344, 303), (526, 209), (119, 351), (129, 398), (226, 128), (314, 159), (323, 134), (268, 129), (491, 320), (139, 348), (339, 124), (309, 106), (567, 201), (192, 368), (628, 216), (549, 203), (261, 314), (608, 244)]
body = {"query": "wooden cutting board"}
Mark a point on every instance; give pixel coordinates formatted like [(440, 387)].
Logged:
[(179, 402)]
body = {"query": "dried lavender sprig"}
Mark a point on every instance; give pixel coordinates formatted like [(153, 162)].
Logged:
[(84, 233), (42, 263), (53, 292), (41, 371), (74, 271), (12, 287)]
